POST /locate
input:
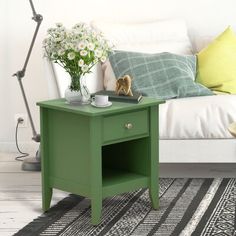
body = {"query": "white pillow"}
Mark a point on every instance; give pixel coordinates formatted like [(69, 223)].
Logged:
[(148, 37)]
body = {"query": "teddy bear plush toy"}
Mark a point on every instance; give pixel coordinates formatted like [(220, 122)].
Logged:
[(123, 86)]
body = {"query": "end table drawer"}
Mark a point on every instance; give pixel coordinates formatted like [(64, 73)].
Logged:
[(125, 125)]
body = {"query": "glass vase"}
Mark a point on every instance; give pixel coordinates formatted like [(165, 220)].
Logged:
[(78, 93)]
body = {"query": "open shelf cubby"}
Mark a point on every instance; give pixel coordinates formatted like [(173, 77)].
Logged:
[(125, 166)]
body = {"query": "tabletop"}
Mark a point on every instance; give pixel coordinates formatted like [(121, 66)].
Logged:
[(89, 110)]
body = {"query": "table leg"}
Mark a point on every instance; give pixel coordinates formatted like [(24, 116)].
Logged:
[(96, 169), (153, 194), (154, 158), (96, 210), (44, 145), (47, 197)]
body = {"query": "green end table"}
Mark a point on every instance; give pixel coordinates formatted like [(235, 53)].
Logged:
[(99, 152)]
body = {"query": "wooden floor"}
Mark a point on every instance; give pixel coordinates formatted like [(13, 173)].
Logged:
[(20, 192), (20, 195)]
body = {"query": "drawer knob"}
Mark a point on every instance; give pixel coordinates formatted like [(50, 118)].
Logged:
[(128, 126)]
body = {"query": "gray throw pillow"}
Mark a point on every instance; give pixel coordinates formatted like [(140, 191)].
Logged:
[(162, 75)]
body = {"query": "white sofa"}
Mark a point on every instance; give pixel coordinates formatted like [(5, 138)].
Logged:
[(191, 129)]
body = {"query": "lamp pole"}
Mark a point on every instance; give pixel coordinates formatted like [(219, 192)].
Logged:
[(31, 163)]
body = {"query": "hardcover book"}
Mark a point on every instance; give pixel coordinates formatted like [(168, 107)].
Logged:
[(136, 98)]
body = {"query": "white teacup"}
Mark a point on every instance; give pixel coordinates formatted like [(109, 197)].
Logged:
[(100, 100)]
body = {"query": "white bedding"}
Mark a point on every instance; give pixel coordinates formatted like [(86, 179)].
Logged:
[(197, 117)]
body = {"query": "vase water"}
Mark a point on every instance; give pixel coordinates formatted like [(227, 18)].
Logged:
[(77, 92)]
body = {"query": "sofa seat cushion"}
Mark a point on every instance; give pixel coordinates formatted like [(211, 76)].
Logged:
[(205, 117)]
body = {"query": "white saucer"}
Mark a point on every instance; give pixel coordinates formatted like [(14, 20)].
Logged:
[(102, 106)]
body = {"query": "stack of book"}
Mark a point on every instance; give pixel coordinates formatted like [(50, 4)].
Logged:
[(136, 98)]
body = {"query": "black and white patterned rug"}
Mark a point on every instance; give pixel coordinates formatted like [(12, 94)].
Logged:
[(187, 207)]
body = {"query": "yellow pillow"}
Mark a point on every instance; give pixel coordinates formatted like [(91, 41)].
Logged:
[(217, 63)]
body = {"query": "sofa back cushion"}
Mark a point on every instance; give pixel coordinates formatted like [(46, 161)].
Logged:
[(155, 36), (149, 37), (161, 75)]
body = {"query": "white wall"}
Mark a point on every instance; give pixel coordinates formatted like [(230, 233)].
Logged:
[(205, 18)]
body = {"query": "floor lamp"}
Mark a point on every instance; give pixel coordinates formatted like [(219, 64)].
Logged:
[(31, 163)]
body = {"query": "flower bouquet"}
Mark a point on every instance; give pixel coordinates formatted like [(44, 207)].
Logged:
[(77, 50)]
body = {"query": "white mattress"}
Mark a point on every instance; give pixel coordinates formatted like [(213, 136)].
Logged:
[(205, 117)]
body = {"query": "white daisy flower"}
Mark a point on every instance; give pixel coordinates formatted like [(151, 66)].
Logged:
[(99, 38), (94, 33), (54, 55), (66, 46), (82, 45), (59, 25), (83, 53), (58, 39), (71, 55), (61, 52), (84, 68), (50, 30), (98, 53), (45, 42), (72, 46), (103, 59), (81, 62), (78, 25), (91, 46)]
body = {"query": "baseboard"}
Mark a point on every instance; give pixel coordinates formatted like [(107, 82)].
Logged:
[(28, 147)]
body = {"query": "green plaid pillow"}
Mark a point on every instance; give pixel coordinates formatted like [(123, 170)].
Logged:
[(161, 75)]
